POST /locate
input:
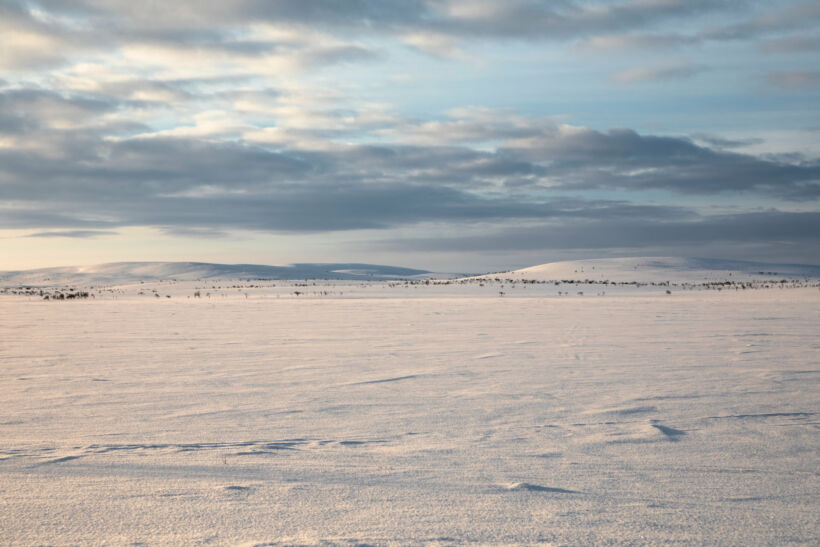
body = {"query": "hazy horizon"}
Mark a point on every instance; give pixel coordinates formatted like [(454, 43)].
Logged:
[(420, 269)]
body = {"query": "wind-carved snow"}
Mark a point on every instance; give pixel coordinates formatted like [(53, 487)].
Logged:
[(410, 413)]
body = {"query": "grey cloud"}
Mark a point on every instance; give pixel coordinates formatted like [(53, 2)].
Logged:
[(325, 208), (772, 227), (175, 164), (463, 131), (178, 182), (198, 22), (59, 126), (351, 13), (622, 158), (145, 91), (301, 52), (45, 105), (75, 28), (792, 44), (217, 27), (315, 209), (339, 54), (190, 184), (777, 19), (513, 18), (194, 232), (15, 19), (794, 79), (716, 141), (568, 20), (74, 234), (12, 124), (47, 215), (640, 42), (659, 73), (53, 128)]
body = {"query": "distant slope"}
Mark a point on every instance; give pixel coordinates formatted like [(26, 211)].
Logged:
[(119, 273), (661, 269)]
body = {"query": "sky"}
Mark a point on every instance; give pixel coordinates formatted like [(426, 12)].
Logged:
[(450, 135)]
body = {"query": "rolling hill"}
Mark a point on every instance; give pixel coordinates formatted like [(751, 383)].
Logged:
[(662, 269), (119, 273)]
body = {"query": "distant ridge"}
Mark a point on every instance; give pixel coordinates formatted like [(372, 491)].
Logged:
[(118, 273), (663, 268), (636, 269)]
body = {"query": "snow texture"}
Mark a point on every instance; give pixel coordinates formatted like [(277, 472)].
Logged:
[(412, 413)]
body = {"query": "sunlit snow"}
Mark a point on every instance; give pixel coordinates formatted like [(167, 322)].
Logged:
[(485, 410)]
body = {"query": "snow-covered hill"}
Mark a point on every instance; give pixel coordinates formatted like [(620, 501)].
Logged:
[(119, 273), (643, 270), (662, 269)]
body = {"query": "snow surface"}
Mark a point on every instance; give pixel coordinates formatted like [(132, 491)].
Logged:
[(660, 269), (411, 413)]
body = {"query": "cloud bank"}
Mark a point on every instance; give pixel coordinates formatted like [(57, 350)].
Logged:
[(203, 118)]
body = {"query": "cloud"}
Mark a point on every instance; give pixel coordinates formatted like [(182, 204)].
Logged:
[(794, 79), (436, 44), (467, 126), (291, 33), (559, 20), (778, 19), (26, 42), (660, 73), (194, 232), (582, 158), (74, 234), (323, 208), (771, 227), (792, 44), (20, 215), (638, 42), (73, 164), (210, 39), (193, 39), (514, 18), (786, 22), (51, 108), (187, 184), (716, 141)]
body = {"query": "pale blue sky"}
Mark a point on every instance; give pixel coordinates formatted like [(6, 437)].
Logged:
[(443, 134)]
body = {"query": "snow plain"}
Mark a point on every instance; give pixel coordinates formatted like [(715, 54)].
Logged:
[(389, 413)]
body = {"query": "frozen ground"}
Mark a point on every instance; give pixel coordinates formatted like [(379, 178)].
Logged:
[(391, 414)]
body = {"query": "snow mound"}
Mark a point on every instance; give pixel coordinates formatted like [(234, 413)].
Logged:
[(120, 273), (662, 269)]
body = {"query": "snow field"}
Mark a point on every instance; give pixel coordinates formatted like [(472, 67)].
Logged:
[(411, 417)]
